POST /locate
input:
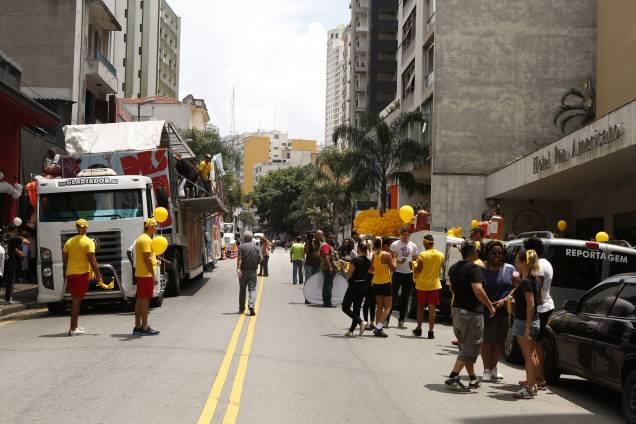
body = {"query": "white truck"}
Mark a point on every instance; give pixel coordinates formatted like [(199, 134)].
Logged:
[(115, 191)]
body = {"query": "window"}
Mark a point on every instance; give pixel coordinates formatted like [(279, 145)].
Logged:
[(408, 31), (598, 301), (124, 61), (91, 205), (623, 262), (387, 35), (408, 80), (574, 272), (625, 305), (125, 13), (125, 38)]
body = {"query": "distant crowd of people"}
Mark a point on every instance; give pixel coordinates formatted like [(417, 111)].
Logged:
[(487, 293)]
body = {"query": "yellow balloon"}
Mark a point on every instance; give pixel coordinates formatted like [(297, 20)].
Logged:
[(160, 214), (159, 245), (406, 213), (562, 225), (474, 223), (602, 237)]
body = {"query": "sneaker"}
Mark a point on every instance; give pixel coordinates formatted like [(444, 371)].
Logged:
[(417, 332), (78, 330), (252, 313), (349, 334), (137, 331), (363, 326), (379, 333), (455, 342), (474, 384), (431, 334), (9, 302), (149, 332), (487, 376), (401, 325), (524, 393), (456, 385), (495, 375)]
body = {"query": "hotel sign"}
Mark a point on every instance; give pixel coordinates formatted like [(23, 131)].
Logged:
[(579, 146)]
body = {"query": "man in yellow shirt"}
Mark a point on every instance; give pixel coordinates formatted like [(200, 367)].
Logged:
[(145, 264), (78, 257), (427, 284), (205, 170)]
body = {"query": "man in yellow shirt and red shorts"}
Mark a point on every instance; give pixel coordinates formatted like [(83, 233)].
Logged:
[(78, 257), (145, 264), (428, 284)]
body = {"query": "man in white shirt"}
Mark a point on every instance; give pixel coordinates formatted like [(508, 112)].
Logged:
[(405, 253), (547, 307)]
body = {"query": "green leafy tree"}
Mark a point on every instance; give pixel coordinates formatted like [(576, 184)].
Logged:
[(384, 154), (577, 105)]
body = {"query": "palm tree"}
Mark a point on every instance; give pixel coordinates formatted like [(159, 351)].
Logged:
[(383, 154), (576, 104)]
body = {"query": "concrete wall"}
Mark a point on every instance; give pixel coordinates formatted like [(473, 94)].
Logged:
[(501, 68), (39, 35), (456, 200), (616, 44)]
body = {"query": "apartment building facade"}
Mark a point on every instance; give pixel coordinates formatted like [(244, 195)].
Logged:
[(147, 51), (186, 114), (488, 91), (68, 61), (334, 82)]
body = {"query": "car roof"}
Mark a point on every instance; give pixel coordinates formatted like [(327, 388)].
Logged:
[(576, 243)]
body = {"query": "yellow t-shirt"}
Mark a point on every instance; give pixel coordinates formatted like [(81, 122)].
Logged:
[(205, 168), (144, 245), (428, 278), (78, 247), (382, 272)]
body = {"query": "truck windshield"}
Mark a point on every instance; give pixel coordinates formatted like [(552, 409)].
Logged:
[(91, 205)]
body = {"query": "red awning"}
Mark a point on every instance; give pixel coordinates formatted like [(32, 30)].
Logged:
[(23, 110)]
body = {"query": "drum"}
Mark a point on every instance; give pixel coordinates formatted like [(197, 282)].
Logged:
[(313, 289)]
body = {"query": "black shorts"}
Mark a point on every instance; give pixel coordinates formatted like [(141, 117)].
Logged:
[(543, 321), (382, 289)]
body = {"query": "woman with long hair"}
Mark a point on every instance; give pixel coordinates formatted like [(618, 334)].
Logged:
[(525, 326), (368, 308), (265, 250), (383, 263), (498, 276), (358, 276)]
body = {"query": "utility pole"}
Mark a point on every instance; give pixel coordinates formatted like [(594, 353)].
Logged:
[(233, 119)]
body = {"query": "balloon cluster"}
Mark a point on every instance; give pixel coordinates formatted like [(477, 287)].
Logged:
[(370, 222), (456, 232), (160, 243), (13, 190)]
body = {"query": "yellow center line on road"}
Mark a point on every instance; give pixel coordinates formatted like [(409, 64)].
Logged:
[(34, 314), (231, 414), (217, 388)]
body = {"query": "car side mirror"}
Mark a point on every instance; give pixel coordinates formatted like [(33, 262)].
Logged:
[(571, 306)]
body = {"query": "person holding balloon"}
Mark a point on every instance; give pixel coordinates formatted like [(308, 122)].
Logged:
[(145, 264)]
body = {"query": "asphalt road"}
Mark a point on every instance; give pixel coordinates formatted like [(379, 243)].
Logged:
[(289, 364)]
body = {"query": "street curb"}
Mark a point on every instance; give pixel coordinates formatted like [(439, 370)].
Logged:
[(16, 307)]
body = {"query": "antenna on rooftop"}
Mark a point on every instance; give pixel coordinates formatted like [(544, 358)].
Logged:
[(274, 118), (233, 119)]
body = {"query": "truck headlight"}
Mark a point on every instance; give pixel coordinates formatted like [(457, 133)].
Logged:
[(45, 254), (47, 272)]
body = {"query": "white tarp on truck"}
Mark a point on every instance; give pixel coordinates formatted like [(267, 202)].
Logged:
[(122, 136)]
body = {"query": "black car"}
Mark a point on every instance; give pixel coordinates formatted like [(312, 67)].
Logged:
[(595, 338)]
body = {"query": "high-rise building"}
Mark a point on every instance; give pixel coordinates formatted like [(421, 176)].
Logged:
[(372, 39), (66, 51), (147, 51), (487, 77), (334, 99)]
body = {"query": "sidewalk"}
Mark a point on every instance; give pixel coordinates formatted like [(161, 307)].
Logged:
[(25, 296)]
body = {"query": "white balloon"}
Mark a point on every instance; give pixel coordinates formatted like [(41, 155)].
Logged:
[(16, 195), (17, 221), (18, 187)]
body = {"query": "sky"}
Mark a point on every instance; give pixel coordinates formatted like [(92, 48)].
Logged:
[(272, 51)]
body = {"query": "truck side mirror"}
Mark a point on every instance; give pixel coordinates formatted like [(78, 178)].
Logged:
[(571, 306)]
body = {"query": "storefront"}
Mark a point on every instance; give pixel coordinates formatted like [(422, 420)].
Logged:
[(587, 178)]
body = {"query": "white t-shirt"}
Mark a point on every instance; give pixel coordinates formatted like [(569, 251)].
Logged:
[(404, 250), (546, 273)]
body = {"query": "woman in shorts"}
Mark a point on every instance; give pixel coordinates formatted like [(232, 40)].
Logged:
[(383, 263), (498, 276), (525, 326)]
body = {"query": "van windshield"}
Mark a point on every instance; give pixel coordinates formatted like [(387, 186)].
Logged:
[(91, 205)]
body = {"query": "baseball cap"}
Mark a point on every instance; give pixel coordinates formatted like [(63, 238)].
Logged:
[(81, 223), (428, 239)]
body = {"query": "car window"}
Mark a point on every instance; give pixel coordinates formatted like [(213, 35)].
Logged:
[(621, 262), (597, 302), (625, 305), (573, 270)]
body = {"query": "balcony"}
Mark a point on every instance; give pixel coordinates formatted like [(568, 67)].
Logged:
[(101, 75), (101, 16)]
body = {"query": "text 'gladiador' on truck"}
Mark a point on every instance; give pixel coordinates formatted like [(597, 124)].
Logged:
[(115, 177)]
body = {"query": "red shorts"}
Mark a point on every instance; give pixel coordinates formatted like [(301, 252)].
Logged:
[(77, 285), (145, 287), (427, 297)]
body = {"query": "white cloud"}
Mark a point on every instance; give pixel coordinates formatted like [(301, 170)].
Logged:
[(272, 51)]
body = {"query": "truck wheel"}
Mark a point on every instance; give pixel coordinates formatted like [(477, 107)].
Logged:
[(512, 351), (173, 285), (551, 368), (156, 302), (629, 398), (56, 308)]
